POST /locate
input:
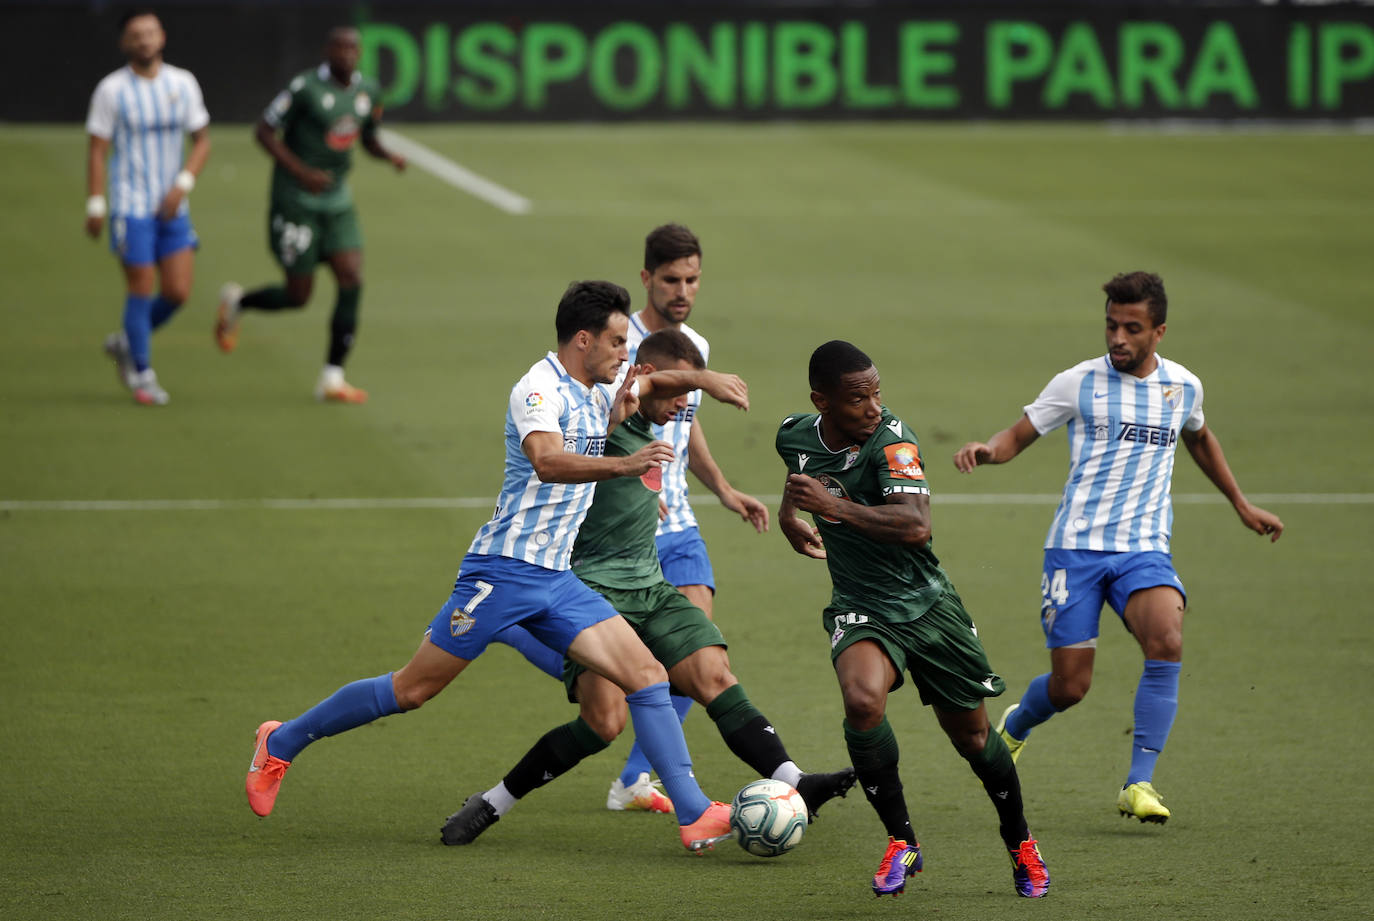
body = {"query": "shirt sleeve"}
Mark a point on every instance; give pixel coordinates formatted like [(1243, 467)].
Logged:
[(1195, 418), (1057, 403), (898, 460), (279, 108), (100, 119), (197, 116), (535, 407)]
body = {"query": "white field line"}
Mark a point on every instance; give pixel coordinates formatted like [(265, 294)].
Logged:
[(483, 502), (457, 176)]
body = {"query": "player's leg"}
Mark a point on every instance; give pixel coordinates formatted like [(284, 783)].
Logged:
[(175, 249), (1154, 615), (1072, 588), (134, 241), (547, 660), (601, 718), (347, 265), (293, 236)]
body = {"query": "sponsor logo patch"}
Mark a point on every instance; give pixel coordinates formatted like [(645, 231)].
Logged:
[(904, 461), (533, 401)]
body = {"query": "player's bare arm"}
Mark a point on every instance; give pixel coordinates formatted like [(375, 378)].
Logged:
[(727, 388), (96, 154), (1206, 452), (313, 180), (801, 534), (195, 162), (554, 465), (998, 449), (705, 469), (373, 145), (904, 519)]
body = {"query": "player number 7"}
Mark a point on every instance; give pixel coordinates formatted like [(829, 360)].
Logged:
[(483, 590)]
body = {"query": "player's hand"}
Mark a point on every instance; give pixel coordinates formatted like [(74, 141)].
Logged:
[(971, 455), (626, 402), (807, 494), (804, 538), (397, 161), (1260, 521), (653, 454), (747, 507), (315, 180), (662, 510), (728, 388), (93, 227), (170, 203)]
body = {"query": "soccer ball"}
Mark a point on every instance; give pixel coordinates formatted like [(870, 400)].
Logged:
[(768, 818)]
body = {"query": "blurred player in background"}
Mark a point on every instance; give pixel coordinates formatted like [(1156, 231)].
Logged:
[(1109, 540), (615, 554), (309, 129), (517, 569), (139, 118), (858, 470)]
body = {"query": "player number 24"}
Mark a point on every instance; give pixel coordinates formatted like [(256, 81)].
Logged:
[(1055, 588)]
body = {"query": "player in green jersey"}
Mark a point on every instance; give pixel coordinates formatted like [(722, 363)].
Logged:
[(615, 554), (857, 469), (309, 129)]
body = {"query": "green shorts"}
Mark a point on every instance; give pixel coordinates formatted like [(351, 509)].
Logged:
[(300, 236), (671, 626), (940, 648)]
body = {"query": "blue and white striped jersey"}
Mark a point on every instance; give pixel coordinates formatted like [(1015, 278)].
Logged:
[(146, 122), (676, 432), (1123, 432), (536, 521)]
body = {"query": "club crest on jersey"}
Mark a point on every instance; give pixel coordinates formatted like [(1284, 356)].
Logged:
[(460, 622), (904, 461), (1173, 395), (836, 489), (851, 458)]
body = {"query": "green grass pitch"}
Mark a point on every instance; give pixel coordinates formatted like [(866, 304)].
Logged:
[(142, 646)]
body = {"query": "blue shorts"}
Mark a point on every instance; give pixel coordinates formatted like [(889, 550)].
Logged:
[(493, 592), (146, 240), (682, 554), (1075, 583)]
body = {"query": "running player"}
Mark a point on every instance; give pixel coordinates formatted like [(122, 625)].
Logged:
[(309, 130), (142, 113), (615, 554), (1109, 540), (858, 470), (517, 568)]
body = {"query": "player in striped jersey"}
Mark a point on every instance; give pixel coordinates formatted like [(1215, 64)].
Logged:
[(1109, 540), (138, 119), (517, 568)]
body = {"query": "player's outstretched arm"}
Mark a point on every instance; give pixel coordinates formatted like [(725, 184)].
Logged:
[(727, 388), (904, 519), (313, 180), (1206, 452), (998, 449), (803, 537), (704, 468), (554, 465)]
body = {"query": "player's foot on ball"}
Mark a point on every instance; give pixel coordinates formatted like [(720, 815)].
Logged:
[(819, 789), (227, 317), (147, 390), (264, 772), (463, 827), (641, 796), (117, 348), (1029, 874), (713, 825), (1142, 801), (900, 861), (1014, 745)]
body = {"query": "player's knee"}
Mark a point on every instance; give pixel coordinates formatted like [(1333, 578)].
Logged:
[(641, 675), (1065, 692), (410, 694), (1166, 646), (607, 723), (969, 743), (863, 707)]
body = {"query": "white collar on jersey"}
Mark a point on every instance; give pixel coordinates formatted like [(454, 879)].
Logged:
[(327, 75)]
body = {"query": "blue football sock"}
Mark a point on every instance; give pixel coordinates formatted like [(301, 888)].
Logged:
[(638, 763), (347, 708), (547, 660), (162, 311), (1035, 708), (1156, 705), (138, 327), (658, 731)]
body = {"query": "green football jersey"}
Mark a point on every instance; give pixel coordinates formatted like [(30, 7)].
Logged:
[(892, 581), (320, 121), (615, 545)]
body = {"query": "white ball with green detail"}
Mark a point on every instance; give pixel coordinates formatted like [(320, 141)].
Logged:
[(768, 818)]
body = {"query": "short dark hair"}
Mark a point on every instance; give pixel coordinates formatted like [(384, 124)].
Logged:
[(669, 345), (588, 305), (669, 243), (133, 13), (1134, 287), (834, 360)]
